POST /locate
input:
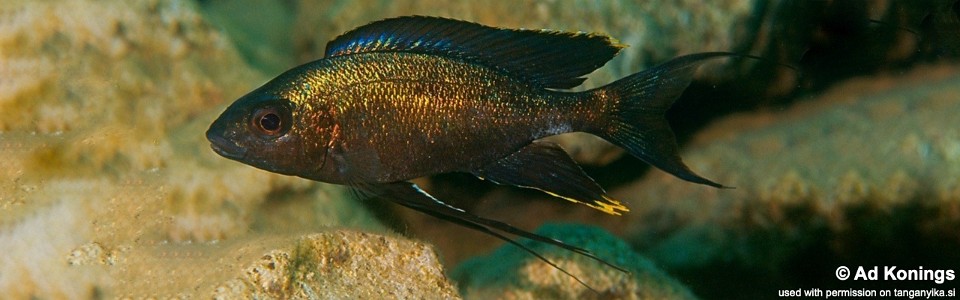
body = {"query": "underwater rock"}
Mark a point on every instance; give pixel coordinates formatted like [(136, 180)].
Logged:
[(104, 170), (134, 56), (343, 265), (511, 273), (866, 172)]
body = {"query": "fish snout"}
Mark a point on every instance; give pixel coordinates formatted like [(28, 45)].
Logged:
[(222, 145)]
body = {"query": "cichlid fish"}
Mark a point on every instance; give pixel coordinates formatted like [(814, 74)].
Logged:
[(409, 97)]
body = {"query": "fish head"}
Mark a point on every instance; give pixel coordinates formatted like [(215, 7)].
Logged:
[(264, 129)]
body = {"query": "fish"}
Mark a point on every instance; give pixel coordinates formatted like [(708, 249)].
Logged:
[(414, 96)]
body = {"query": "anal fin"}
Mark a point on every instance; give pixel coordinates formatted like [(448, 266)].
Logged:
[(546, 167)]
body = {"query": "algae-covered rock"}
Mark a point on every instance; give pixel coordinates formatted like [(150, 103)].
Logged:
[(343, 265), (867, 173), (511, 273)]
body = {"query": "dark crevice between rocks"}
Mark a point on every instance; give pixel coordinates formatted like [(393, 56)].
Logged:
[(827, 42), (804, 251)]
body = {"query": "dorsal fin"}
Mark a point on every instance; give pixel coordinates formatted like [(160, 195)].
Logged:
[(549, 59)]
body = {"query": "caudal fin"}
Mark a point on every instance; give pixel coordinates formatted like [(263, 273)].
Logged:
[(640, 101)]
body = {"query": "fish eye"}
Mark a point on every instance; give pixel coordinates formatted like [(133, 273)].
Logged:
[(270, 121)]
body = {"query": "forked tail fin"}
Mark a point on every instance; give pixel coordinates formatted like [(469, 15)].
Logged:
[(639, 102)]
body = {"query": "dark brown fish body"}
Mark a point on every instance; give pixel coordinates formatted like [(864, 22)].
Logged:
[(414, 96), (412, 115)]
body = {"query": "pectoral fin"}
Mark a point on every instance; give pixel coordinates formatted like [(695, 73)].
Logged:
[(411, 196), (545, 166)]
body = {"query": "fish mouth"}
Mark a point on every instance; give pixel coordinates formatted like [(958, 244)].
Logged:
[(237, 154), (226, 149)]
